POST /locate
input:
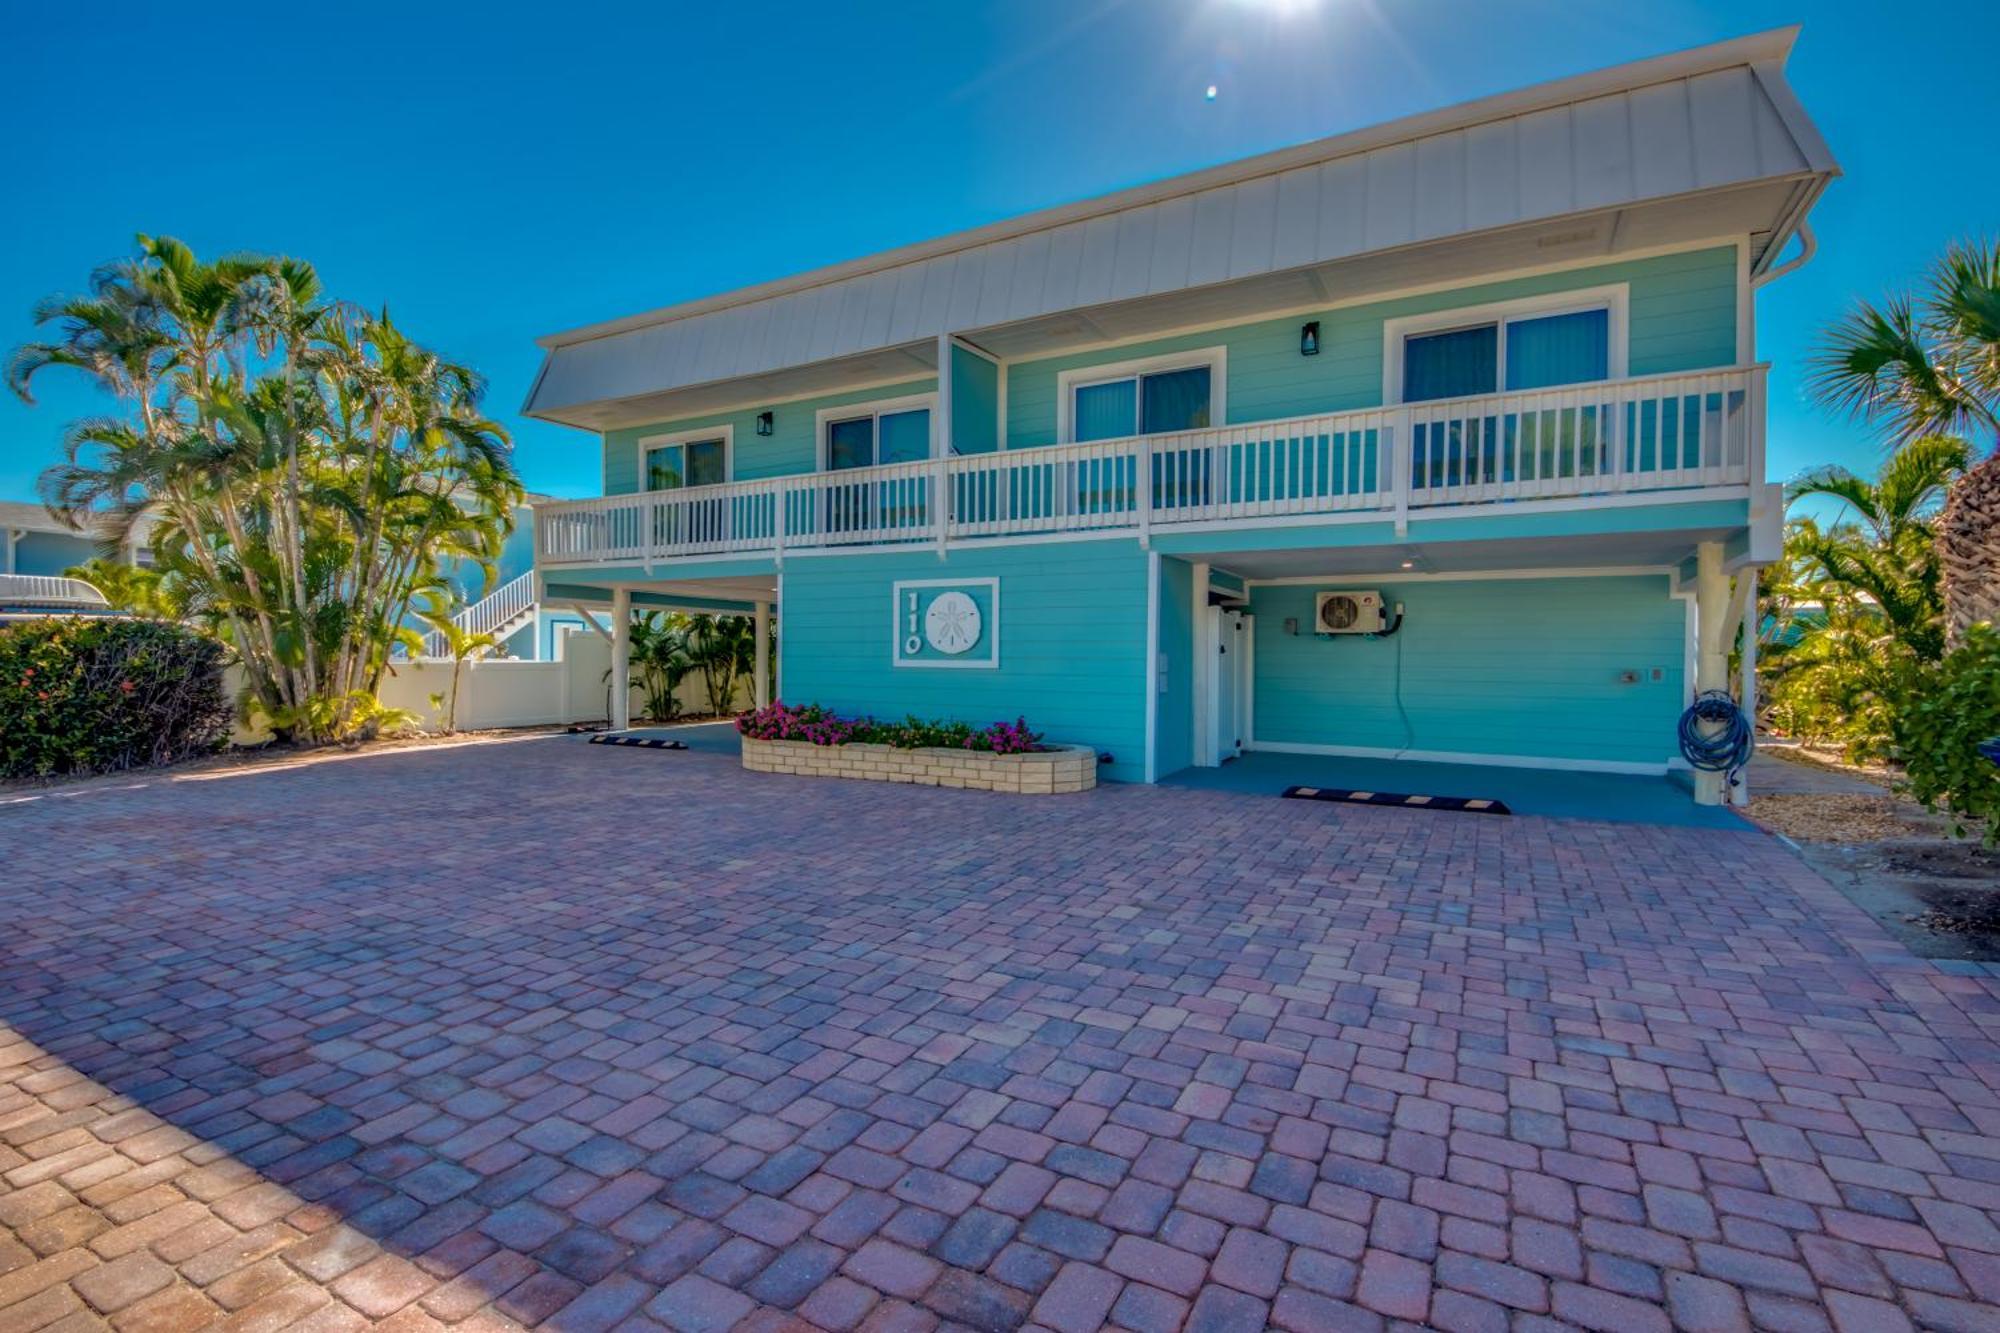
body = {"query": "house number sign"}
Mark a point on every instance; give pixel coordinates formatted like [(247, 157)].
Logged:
[(947, 622)]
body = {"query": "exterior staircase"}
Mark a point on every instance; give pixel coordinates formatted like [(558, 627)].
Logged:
[(500, 613)]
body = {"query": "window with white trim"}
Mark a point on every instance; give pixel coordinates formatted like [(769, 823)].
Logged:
[(876, 434), (688, 461), (1149, 402), (1538, 345)]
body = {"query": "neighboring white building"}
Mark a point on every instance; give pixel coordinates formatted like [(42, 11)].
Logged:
[(34, 541)]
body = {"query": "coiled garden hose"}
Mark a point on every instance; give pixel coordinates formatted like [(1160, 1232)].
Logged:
[(1728, 748)]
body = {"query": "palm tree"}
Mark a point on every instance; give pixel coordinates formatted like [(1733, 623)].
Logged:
[(723, 649), (1927, 366), (461, 643), (311, 467)]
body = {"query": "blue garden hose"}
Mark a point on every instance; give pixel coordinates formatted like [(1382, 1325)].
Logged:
[(1726, 750)]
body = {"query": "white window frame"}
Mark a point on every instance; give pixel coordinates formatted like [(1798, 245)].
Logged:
[(726, 433), (1216, 359), (876, 408), (1614, 299)]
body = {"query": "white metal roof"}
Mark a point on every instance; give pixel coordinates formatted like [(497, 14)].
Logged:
[(1718, 123)]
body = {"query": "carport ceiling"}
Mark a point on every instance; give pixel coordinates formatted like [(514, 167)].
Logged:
[(1607, 551)]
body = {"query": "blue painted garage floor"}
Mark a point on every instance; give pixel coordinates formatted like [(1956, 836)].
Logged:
[(1618, 797)]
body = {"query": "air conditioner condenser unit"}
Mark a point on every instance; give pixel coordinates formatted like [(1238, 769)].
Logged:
[(1349, 613)]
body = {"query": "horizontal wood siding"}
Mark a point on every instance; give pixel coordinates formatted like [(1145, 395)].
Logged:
[(1682, 311), (1507, 667), (1072, 642), (792, 446)]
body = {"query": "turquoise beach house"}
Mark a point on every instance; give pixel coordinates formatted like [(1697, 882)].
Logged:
[(1442, 439)]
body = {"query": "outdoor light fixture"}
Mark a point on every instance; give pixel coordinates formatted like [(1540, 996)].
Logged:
[(763, 423), (1309, 339)]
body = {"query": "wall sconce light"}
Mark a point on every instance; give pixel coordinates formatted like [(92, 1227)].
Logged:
[(763, 423), (1309, 339)]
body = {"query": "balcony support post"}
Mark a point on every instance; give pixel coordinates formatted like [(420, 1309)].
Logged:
[(940, 476), (761, 683), (1718, 612), (1746, 687), (1145, 492), (621, 659), (1401, 457)]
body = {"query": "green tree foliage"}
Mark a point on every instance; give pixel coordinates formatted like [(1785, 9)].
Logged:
[(136, 589), (83, 694), (313, 469), (1939, 718), (1856, 603)]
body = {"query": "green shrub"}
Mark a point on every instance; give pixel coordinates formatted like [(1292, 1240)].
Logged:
[(87, 695), (1943, 711)]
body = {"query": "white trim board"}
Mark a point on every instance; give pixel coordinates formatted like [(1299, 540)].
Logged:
[(1467, 757), (1152, 663)]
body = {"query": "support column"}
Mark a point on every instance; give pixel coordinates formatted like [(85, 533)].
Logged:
[(761, 684), (1746, 689), (1718, 611), (621, 659), (1203, 671)]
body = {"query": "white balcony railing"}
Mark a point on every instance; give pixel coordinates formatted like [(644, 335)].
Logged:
[(1655, 433)]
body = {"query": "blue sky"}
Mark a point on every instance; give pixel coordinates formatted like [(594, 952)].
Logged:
[(496, 171)]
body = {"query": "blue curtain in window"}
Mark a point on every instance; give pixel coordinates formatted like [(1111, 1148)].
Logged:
[(1176, 400), (850, 443), (905, 437), (1559, 349), (1106, 411), (1450, 365)]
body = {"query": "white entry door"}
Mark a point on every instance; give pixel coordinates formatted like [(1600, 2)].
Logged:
[(1229, 703)]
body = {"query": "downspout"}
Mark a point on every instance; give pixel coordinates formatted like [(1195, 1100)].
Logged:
[(1808, 247)]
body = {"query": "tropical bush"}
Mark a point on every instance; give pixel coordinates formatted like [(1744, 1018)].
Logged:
[(820, 726), (87, 695), (1856, 604), (313, 470), (1940, 717), (140, 590), (665, 648)]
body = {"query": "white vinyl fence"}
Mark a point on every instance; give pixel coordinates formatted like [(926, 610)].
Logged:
[(506, 693)]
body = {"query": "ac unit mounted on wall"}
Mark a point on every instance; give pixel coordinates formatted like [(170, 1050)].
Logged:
[(1348, 613)]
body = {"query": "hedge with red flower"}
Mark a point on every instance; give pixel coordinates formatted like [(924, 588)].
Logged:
[(821, 726), (83, 694)]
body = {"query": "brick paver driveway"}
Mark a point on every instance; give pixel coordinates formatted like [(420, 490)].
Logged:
[(544, 1033)]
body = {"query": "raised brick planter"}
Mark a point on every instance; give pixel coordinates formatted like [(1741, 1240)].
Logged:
[(1066, 768)]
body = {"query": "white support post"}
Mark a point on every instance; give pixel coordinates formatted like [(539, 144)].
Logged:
[(12, 537), (1145, 492), (940, 476), (1718, 610), (1402, 456), (1203, 670), (621, 659), (1747, 682), (761, 685)]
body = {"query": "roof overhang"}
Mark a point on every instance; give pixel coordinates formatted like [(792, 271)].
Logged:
[(1708, 143)]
